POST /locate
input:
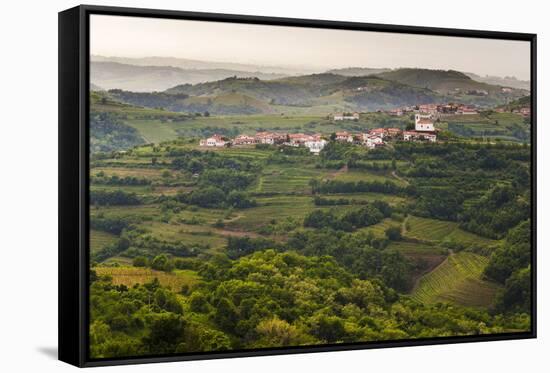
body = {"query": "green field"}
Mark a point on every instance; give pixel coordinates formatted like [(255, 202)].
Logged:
[(458, 280), (356, 175), (129, 276), (439, 230), (99, 239), (289, 179)]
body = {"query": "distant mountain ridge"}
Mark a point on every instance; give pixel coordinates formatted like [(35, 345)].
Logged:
[(186, 63), (115, 75), (507, 81), (358, 71)]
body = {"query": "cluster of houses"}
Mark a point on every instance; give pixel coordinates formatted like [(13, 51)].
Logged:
[(424, 130), (523, 111), (435, 110), (315, 143)]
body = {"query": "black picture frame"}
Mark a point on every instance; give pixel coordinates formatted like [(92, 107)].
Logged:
[(74, 179)]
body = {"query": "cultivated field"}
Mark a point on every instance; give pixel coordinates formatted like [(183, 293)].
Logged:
[(129, 276), (458, 280)]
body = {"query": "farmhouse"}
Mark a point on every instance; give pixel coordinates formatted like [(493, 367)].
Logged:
[(344, 136), (466, 110), (447, 109), (214, 140), (315, 145), (394, 132), (428, 108), (419, 135), (380, 132), (373, 141), (300, 138), (244, 140), (266, 138), (345, 116)]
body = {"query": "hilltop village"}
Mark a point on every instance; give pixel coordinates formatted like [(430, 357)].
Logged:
[(424, 130)]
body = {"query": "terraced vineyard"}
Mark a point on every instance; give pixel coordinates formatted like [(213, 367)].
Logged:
[(277, 179), (459, 279), (99, 239), (439, 230)]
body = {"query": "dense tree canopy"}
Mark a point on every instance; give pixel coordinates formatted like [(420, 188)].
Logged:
[(268, 299)]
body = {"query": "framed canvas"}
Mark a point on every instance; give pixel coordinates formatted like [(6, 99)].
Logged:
[(235, 186)]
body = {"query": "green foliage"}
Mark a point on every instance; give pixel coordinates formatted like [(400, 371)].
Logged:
[(361, 254), (349, 221), (500, 209), (209, 196), (242, 246), (516, 295), (111, 225), (108, 133), (513, 255), (140, 261), (240, 200), (112, 198), (162, 263), (444, 204), (393, 233), (226, 180), (337, 186), (269, 299)]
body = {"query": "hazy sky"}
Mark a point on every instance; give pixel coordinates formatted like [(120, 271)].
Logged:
[(305, 47)]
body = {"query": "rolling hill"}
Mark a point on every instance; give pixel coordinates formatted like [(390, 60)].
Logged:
[(457, 85), (437, 80), (517, 104), (278, 92), (358, 93), (507, 81), (305, 94)]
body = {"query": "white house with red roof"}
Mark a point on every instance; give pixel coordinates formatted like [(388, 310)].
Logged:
[(418, 135), (380, 132), (428, 108), (373, 141), (300, 138), (244, 140), (265, 138), (344, 136), (394, 132), (315, 144), (345, 116), (214, 141)]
